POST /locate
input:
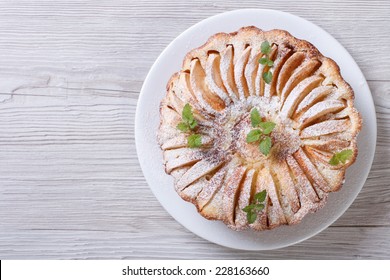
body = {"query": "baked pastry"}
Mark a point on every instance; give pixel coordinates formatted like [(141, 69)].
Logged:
[(296, 90)]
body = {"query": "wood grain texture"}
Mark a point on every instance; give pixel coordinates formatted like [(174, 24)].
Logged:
[(70, 183)]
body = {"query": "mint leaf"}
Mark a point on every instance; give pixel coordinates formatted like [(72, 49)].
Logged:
[(189, 123), (260, 197), (265, 47), (259, 207), (342, 157), (187, 113), (251, 217), (267, 76), (255, 117), (267, 127), (248, 208), (253, 136), (334, 160), (345, 155), (193, 124), (263, 60), (265, 145), (194, 141), (253, 209), (184, 127), (266, 61)]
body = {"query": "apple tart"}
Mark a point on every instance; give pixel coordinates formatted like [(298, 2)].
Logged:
[(257, 128)]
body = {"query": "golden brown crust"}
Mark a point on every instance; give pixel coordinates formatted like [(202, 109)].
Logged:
[(222, 81)]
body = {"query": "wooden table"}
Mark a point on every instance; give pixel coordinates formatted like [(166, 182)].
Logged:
[(70, 183)]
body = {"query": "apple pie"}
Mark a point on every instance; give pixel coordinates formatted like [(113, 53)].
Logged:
[(257, 128)]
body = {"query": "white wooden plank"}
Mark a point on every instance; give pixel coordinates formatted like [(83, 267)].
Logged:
[(78, 145), (173, 243), (70, 183), (85, 35)]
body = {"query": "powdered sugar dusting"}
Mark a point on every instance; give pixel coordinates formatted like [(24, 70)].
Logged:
[(222, 83)]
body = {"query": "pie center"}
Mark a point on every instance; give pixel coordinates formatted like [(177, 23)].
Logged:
[(236, 126)]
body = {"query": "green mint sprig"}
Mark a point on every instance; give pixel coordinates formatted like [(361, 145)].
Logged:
[(253, 209), (341, 157), (266, 61), (194, 141), (263, 129), (189, 124)]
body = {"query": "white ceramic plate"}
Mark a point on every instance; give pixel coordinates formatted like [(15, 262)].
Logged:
[(150, 155)]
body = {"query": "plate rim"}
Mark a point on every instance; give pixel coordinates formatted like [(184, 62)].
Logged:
[(196, 25)]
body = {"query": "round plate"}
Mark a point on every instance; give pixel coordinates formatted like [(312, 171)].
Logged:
[(150, 156)]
